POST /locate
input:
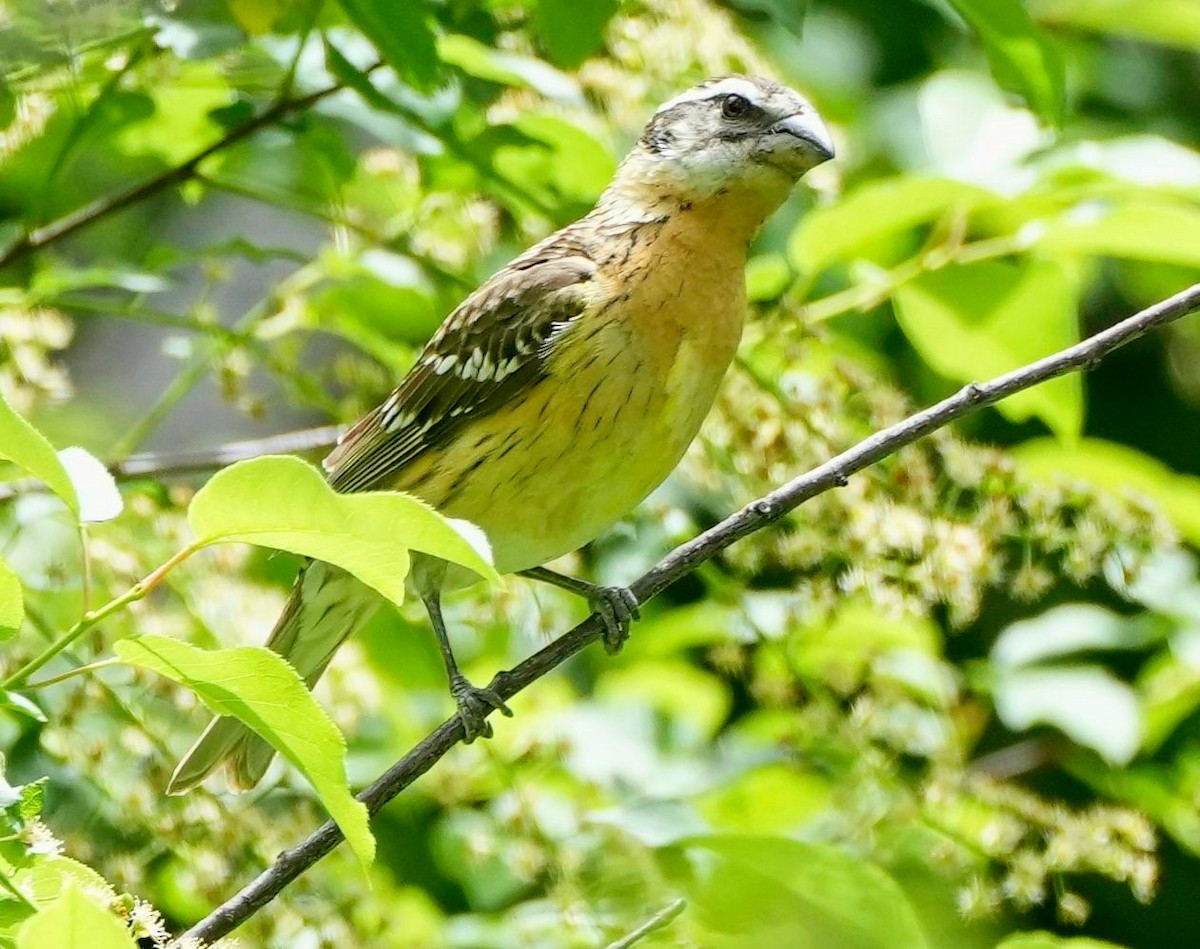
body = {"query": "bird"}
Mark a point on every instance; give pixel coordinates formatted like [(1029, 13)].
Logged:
[(564, 389)]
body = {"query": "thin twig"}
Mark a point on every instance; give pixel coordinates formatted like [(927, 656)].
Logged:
[(681, 561), (656, 922), (154, 464), (173, 464), (77, 220)]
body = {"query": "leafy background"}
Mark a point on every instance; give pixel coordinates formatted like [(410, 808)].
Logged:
[(952, 704)]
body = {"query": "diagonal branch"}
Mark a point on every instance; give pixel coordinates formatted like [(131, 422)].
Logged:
[(77, 220), (174, 464), (682, 560)]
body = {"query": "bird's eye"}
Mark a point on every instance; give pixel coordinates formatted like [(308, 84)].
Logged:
[(734, 106)]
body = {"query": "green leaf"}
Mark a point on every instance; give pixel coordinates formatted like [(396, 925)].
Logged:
[(22, 705), (1069, 629), (1023, 59), (874, 212), (73, 921), (774, 798), (555, 160), (974, 321), (401, 33), (690, 699), (25, 446), (1171, 22), (47, 877), (283, 502), (1044, 940), (787, 13), (1121, 470), (570, 31), (1143, 230), (181, 123), (505, 68), (840, 650), (95, 487), (767, 277), (770, 891), (258, 688), (1087, 703), (12, 601)]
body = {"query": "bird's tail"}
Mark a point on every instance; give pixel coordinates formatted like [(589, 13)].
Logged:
[(326, 606)]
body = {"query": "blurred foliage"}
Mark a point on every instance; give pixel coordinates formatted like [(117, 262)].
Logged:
[(954, 703)]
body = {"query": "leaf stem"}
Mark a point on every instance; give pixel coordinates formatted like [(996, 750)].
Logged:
[(72, 673), (92, 617), (883, 283), (659, 920), (7, 883)]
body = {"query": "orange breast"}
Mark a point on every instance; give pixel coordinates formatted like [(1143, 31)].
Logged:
[(629, 386)]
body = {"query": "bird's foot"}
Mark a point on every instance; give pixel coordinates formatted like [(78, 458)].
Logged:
[(474, 706), (617, 607)]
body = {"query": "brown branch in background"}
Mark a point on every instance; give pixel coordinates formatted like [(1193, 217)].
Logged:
[(166, 464), (60, 228), (173, 464), (681, 561)]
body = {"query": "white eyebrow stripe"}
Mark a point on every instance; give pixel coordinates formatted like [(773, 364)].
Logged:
[(732, 85)]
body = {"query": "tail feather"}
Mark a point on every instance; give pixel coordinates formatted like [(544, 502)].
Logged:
[(327, 605)]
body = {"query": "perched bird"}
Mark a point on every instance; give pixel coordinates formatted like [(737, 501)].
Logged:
[(563, 390)]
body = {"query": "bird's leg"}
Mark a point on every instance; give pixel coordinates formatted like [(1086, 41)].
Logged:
[(616, 606), (474, 704)]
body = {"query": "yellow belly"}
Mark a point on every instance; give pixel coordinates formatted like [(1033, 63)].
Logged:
[(625, 396), (581, 450)]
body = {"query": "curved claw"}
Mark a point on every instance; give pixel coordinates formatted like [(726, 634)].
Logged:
[(474, 706), (617, 607)]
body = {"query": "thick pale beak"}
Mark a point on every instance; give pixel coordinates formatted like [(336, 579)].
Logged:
[(808, 128)]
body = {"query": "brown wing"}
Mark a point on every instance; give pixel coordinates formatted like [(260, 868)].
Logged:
[(494, 345)]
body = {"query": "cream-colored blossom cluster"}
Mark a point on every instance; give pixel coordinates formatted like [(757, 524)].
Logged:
[(942, 524), (30, 338)]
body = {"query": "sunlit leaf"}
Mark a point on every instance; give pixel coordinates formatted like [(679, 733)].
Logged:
[(678, 690), (1067, 629), (1044, 940), (509, 69), (95, 487), (771, 891), (180, 124), (1169, 689), (74, 921), (16, 702), (25, 446), (787, 13), (1022, 58), (554, 159), (258, 16), (775, 798), (767, 277), (838, 650), (12, 601), (1149, 161), (1172, 22), (1143, 230), (258, 688), (971, 322), (1087, 703), (400, 31), (48, 877), (571, 31), (874, 212), (283, 502)]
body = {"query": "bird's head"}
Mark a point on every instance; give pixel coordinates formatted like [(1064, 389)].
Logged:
[(735, 134)]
